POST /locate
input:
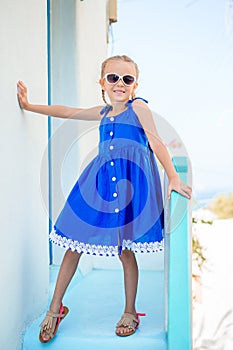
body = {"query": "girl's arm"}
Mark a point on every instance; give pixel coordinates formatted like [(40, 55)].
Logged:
[(56, 111), (145, 116)]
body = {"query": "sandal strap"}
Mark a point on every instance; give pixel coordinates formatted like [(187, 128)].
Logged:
[(47, 323), (53, 315), (128, 320)]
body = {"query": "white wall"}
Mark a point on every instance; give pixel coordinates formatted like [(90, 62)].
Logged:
[(23, 139), (92, 26), (79, 45)]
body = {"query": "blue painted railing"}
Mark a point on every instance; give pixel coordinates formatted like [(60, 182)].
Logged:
[(178, 253)]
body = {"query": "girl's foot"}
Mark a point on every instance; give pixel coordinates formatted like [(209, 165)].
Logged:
[(128, 324), (50, 324)]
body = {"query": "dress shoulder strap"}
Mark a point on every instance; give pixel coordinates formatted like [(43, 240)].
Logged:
[(105, 110), (136, 98)]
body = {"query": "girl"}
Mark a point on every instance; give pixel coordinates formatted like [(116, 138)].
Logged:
[(115, 208)]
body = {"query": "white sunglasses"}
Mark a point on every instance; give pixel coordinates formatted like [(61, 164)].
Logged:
[(113, 78)]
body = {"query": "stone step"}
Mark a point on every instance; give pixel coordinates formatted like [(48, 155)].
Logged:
[(96, 303)]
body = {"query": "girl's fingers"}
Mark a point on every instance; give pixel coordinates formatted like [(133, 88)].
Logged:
[(185, 191), (169, 193), (22, 90), (21, 94), (21, 85), (185, 194)]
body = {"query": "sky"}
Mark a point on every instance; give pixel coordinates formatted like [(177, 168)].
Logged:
[(184, 50)]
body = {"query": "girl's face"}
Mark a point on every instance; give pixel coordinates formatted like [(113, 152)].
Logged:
[(119, 92)]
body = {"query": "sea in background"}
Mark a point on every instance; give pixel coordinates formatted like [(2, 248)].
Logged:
[(203, 199)]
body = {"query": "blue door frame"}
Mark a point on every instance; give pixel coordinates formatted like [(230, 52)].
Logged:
[(49, 126)]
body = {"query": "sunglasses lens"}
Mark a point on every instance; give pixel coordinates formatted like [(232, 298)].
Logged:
[(112, 78), (128, 79)]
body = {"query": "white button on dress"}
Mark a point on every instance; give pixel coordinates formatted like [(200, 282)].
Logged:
[(112, 119), (111, 163), (111, 133), (111, 147), (113, 178), (117, 210), (114, 194)]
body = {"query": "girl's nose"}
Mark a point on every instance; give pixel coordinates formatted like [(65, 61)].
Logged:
[(120, 82)]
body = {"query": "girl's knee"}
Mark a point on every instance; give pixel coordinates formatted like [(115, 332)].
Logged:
[(126, 256), (72, 255)]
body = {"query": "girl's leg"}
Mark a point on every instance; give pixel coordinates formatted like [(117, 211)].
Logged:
[(66, 272), (68, 267), (131, 282)]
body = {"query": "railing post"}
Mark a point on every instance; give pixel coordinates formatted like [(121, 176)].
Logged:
[(178, 253)]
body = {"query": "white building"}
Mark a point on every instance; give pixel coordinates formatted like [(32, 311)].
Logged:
[(78, 32)]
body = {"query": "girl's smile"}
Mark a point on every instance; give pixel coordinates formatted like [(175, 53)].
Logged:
[(119, 91)]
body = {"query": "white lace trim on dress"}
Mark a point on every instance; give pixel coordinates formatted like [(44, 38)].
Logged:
[(104, 250)]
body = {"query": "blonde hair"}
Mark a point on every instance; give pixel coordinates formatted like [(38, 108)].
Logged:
[(123, 58)]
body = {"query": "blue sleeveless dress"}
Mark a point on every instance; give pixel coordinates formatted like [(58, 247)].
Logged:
[(117, 201)]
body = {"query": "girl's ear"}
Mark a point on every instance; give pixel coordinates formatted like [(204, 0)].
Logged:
[(101, 82), (134, 89)]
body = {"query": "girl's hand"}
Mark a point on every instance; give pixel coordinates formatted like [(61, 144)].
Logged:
[(22, 95), (177, 185)]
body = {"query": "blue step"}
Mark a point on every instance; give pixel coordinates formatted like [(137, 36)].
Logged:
[(96, 303)]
